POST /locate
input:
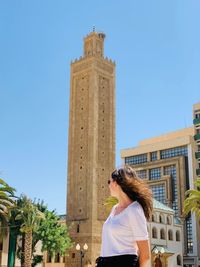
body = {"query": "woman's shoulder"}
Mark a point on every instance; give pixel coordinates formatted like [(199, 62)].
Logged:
[(136, 208)]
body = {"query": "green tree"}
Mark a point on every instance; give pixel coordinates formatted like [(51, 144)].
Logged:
[(6, 202), (192, 201), (53, 235), (31, 217)]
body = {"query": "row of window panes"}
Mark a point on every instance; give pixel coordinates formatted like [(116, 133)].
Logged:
[(138, 159), (159, 193), (161, 219), (174, 152), (171, 170), (197, 115), (57, 258), (155, 174), (162, 234), (166, 153), (189, 235)]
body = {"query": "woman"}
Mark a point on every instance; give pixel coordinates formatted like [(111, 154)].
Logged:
[(124, 236)]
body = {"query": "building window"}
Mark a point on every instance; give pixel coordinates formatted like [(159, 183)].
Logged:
[(170, 235), (142, 174), (1, 246), (171, 170), (169, 221), (73, 255), (153, 155), (154, 232), (189, 235), (48, 257), (155, 174), (78, 228), (161, 218), (178, 236), (57, 258), (197, 114), (162, 234), (174, 152), (178, 260), (138, 159), (153, 218), (159, 192)]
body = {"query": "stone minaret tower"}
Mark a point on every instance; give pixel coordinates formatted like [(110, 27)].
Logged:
[(91, 146)]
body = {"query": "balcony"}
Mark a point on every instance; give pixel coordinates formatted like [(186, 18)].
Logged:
[(197, 155), (198, 172), (197, 137), (196, 121)]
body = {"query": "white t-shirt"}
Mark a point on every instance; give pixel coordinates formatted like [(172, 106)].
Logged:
[(121, 231)]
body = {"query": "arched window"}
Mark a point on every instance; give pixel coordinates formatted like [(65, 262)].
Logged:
[(57, 258), (162, 234), (170, 235), (169, 221), (178, 260), (178, 237), (1, 245), (48, 257), (161, 218), (153, 218), (154, 232)]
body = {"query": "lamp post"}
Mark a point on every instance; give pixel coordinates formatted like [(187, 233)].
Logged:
[(158, 255), (82, 252)]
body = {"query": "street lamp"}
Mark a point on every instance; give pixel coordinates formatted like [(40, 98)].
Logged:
[(158, 252), (82, 252)]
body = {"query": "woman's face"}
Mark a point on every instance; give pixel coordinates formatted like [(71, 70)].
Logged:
[(113, 187)]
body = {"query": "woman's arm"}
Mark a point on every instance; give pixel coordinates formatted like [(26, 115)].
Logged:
[(144, 252)]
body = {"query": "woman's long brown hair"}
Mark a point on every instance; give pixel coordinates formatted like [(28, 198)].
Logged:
[(134, 187)]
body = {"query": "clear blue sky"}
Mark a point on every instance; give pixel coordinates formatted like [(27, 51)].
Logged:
[(156, 46)]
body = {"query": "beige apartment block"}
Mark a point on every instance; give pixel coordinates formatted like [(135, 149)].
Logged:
[(91, 146), (170, 163)]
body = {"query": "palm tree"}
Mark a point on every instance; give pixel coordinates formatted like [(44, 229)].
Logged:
[(6, 202), (31, 217), (192, 201)]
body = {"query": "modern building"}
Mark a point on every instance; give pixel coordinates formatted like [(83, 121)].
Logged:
[(91, 145), (170, 163)]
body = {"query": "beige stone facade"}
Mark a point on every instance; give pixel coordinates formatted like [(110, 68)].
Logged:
[(170, 164), (166, 237), (91, 146)]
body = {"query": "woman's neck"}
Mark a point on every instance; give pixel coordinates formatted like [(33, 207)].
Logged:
[(124, 201)]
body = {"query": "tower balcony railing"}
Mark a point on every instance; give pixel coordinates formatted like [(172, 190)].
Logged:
[(197, 137), (196, 121), (197, 155), (198, 172)]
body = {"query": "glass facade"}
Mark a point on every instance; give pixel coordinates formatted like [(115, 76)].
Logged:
[(138, 159), (155, 174), (159, 192), (171, 170), (174, 152), (189, 235)]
